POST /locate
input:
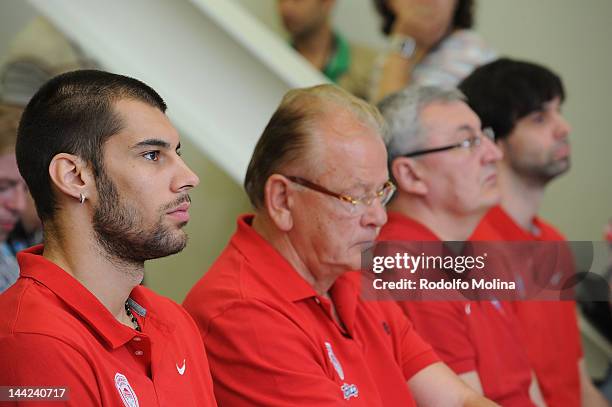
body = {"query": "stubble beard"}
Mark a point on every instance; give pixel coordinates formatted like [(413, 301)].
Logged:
[(120, 231)]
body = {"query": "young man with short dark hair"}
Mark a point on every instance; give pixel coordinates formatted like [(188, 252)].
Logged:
[(103, 164)]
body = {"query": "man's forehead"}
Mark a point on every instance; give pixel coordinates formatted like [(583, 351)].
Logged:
[(356, 161), (142, 122), (552, 104), (447, 118)]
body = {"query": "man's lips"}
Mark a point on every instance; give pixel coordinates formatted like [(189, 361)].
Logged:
[(490, 179), (180, 212), (562, 151)]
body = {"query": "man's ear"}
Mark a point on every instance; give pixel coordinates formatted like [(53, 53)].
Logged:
[(278, 201), (409, 175), (71, 176)]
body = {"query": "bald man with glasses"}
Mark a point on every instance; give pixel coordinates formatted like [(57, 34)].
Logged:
[(281, 315)]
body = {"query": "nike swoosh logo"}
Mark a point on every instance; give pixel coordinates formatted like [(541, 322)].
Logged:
[(181, 370)]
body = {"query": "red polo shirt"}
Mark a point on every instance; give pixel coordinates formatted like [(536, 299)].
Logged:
[(54, 332), (481, 336), (553, 339), (272, 341)]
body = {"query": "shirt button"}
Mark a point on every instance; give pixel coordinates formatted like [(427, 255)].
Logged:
[(137, 339), (139, 353), (318, 301)]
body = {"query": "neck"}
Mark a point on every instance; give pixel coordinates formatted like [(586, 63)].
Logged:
[(520, 199), (77, 252), (445, 225), (316, 46), (282, 243)]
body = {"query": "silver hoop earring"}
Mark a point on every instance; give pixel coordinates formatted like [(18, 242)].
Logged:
[(82, 198)]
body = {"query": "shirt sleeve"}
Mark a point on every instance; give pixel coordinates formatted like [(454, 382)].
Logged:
[(413, 352), (260, 356), (39, 360), (443, 325)]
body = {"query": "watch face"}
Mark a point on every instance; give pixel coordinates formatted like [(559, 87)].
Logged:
[(404, 45), (407, 48)]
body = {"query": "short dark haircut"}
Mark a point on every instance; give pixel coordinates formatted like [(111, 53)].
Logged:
[(72, 113), (462, 18), (505, 90)]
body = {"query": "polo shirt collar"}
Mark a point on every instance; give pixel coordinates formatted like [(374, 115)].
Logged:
[(512, 231), (410, 228), (276, 272), (78, 298), (272, 267)]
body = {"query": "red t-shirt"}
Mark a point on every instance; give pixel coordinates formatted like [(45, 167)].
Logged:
[(54, 332), (481, 336), (551, 328), (272, 341)]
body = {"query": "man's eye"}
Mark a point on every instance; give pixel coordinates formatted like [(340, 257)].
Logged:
[(151, 155)]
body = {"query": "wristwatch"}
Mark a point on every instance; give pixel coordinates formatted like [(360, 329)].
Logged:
[(403, 45)]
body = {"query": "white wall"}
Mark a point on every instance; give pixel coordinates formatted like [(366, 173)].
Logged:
[(14, 14)]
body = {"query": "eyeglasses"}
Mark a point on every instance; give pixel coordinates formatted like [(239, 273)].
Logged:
[(472, 141), (354, 205)]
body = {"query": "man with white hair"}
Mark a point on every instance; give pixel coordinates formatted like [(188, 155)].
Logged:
[(281, 317)]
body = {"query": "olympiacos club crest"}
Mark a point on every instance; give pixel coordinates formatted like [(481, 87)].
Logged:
[(125, 391)]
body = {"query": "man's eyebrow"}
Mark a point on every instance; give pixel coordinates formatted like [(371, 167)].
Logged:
[(152, 142), (465, 127)]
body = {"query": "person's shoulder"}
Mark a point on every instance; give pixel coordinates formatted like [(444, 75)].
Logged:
[(30, 308), (468, 45), (465, 36), (222, 283)]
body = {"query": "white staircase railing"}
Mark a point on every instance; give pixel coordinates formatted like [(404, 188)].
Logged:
[(221, 72)]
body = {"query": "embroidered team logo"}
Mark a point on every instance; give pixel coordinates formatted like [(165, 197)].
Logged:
[(349, 390), (334, 361), (125, 391)]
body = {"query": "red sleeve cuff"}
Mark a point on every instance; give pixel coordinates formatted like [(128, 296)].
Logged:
[(419, 362), (462, 366)]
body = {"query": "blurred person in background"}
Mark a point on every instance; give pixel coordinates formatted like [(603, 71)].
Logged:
[(431, 42), (522, 102), (13, 193), (28, 231), (308, 23)]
